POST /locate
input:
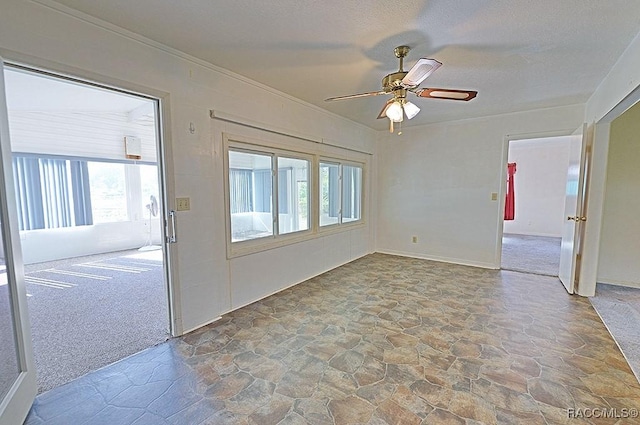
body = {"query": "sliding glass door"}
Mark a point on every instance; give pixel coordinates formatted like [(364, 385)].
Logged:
[(17, 370)]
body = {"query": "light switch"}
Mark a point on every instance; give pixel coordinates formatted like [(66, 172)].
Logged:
[(183, 204), (494, 196)]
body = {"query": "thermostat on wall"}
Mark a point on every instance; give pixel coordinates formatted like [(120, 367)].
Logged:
[(132, 147)]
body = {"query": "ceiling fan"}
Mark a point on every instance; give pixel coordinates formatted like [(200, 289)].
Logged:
[(400, 82)]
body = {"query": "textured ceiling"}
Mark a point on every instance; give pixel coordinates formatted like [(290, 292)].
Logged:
[(518, 54)]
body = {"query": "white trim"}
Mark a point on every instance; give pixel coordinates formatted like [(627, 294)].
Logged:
[(439, 259), (195, 328), (258, 125), (619, 283)]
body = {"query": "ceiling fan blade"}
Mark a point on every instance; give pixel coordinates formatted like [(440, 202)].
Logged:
[(383, 113), (354, 96), (450, 94), (421, 70)]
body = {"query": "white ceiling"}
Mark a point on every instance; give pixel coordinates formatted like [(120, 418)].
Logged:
[(27, 91), (518, 54)]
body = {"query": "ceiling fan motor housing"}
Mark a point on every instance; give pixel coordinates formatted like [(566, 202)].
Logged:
[(393, 81)]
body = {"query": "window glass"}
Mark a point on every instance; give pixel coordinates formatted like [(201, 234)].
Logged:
[(293, 199), (108, 192), (351, 193), (250, 200), (329, 194), (149, 187)]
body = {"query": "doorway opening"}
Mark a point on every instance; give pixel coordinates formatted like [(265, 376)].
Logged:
[(617, 292), (88, 187), (532, 231)]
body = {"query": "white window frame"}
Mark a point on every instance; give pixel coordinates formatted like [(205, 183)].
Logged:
[(340, 224), (239, 248)]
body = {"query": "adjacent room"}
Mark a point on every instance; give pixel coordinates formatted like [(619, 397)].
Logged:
[(86, 181), (420, 212), (534, 206)]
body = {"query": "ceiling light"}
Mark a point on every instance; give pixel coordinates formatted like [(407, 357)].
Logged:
[(411, 110), (394, 111)]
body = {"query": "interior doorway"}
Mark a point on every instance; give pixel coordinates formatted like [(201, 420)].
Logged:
[(88, 183), (532, 232)]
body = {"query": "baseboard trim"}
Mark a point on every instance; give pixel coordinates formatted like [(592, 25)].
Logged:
[(441, 259), (635, 285), (200, 326)]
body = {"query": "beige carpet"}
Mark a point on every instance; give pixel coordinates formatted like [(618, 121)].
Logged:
[(619, 308), (531, 254)]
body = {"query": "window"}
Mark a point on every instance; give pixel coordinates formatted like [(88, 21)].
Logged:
[(54, 191), (293, 195), (278, 196), (340, 193), (250, 200), (261, 183), (108, 192), (351, 193), (148, 185), (51, 192)]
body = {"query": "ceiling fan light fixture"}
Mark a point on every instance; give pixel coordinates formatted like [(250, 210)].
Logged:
[(394, 111), (411, 110)]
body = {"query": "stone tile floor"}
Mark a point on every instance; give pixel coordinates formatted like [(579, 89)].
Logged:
[(382, 340)]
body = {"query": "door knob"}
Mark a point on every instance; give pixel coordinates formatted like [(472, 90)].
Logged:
[(576, 218)]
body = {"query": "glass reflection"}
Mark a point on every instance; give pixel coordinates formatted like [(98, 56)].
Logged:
[(9, 367)]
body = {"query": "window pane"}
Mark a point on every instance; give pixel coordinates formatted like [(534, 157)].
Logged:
[(250, 200), (108, 192), (329, 194), (293, 199), (149, 187), (351, 193)]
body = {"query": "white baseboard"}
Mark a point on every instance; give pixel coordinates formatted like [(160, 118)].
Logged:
[(619, 283), (199, 326), (441, 259)]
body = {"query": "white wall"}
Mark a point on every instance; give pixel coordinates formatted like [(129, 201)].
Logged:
[(540, 180), (436, 182), (68, 242), (40, 35), (620, 241), (80, 134)]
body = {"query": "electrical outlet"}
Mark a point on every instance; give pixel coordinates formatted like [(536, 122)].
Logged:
[(414, 239), (494, 196), (183, 204)]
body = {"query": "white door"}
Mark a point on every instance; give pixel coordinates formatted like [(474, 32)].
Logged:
[(17, 370), (573, 218)]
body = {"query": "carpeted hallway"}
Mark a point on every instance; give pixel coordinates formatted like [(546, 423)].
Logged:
[(88, 312), (619, 308), (381, 340), (531, 254)]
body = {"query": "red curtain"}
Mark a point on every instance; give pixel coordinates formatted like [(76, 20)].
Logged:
[(510, 204)]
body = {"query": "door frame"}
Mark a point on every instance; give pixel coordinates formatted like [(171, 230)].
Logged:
[(20, 396), (164, 152), (503, 181), (596, 193)]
